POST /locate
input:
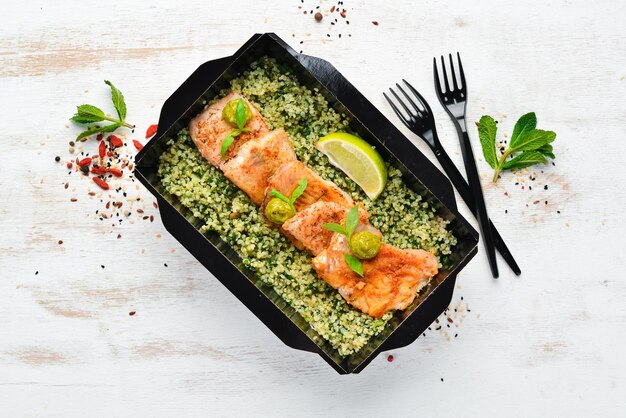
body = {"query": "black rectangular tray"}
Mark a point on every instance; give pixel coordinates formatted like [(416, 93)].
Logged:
[(367, 122)]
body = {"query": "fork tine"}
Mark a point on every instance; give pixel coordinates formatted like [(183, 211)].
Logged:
[(445, 74), (405, 107), (397, 111), (420, 98), (435, 74), (453, 73), (417, 109), (461, 73)]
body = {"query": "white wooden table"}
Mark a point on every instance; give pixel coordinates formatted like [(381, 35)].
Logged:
[(548, 343)]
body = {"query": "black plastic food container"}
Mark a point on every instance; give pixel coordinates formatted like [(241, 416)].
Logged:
[(367, 122)]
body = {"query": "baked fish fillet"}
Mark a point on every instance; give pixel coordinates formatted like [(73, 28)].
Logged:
[(306, 227), (257, 160), (390, 280), (208, 130)]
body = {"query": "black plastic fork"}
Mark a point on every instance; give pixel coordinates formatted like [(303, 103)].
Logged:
[(420, 121), (454, 101)]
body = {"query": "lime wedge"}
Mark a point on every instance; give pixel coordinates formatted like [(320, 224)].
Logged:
[(357, 159)]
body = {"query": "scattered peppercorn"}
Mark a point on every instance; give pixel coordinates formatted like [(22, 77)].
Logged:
[(57, 158), (318, 16), (390, 358)]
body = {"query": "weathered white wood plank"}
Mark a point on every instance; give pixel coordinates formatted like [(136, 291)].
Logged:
[(549, 343)]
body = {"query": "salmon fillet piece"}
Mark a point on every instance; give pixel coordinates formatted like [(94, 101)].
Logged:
[(390, 280), (306, 227), (208, 130), (286, 178), (255, 162)]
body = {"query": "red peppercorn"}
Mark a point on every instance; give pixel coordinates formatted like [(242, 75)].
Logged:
[(390, 358)]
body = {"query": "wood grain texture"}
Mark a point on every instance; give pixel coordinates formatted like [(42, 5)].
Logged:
[(548, 343)]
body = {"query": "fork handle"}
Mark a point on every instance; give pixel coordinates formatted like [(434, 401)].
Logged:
[(460, 184)]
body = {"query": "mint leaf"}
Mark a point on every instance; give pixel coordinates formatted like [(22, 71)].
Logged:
[(279, 195), (532, 140), (240, 114), (352, 220), (299, 190), (547, 151), (524, 124), (487, 133), (354, 263), (118, 100), (336, 228), (226, 143), (97, 130), (525, 159), (88, 114)]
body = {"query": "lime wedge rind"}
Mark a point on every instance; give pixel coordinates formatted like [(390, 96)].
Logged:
[(357, 159)]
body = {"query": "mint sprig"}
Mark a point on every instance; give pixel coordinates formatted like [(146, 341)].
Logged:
[(241, 118), (528, 146), (297, 192), (352, 221), (88, 114)]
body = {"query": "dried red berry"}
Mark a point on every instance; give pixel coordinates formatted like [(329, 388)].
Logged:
[(151, 130), (84, 161), (115, 141), (99, 137), (389, 358), (137, 144), (115, 171), (103, 184), (102, 149), (69, 165), (98, 170)]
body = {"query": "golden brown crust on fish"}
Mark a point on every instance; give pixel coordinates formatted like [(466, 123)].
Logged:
[(390, 280), (255, 162), (208, 130)]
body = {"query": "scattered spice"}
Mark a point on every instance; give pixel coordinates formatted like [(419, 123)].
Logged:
[(390, 358), (318, 16), (137, 145), (132, 313), (375, 23), (60, 242), (57, 158), (102, 149)]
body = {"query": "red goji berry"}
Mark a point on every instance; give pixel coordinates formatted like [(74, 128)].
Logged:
[(103, 184), (115, 141), (84, 161), (98, 170), (137, 144), (115, 171), (151, 130), (102, 149)]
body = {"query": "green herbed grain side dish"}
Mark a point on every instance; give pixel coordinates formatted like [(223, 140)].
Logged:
[(399, 213)]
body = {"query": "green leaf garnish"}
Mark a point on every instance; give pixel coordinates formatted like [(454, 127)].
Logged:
[(525, 159), (86, 114), (354, 263), (299, 190), (226, 143), (352, 220), (335, 228), (93, 130), (487, 133), (524, 124), (240, 114), (118, 100), (276, 193), (528, 145)]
